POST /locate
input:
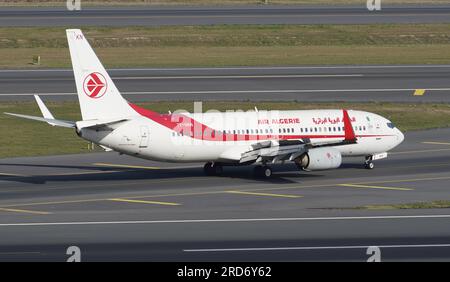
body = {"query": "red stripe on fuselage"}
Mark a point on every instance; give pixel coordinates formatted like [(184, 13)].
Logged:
[(189, 127)]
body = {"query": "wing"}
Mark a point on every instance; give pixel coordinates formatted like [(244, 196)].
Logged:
[(289, 150)]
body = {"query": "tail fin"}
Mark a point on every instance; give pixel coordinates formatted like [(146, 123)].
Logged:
[(98, 96)]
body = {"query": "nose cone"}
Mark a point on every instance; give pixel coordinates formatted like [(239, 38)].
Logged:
[(400, 137)]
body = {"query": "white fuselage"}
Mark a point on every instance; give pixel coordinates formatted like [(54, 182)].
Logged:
[(223, 137)]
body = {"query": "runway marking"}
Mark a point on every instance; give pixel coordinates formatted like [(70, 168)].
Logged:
[(436, 143), (203, 77), (405, 180), (239, 91), (316, 248), (375, 187), (144, 202), (419, 92), (235, 76), (227, 220), (24, 211), (128, 166), (294, 186), (263, 194), (12, 174)]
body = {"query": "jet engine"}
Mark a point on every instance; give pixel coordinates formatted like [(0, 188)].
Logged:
[(319, 159)]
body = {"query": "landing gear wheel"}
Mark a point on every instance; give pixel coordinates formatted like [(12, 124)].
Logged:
[(267, 171), (369, 165), (263, 171), (211, 169)]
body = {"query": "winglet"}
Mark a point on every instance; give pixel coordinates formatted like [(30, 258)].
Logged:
[(348, 127), (44, 110)]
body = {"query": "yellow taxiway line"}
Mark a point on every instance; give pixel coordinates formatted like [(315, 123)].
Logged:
[(12, 174), (436, 143), (144, 202), (24, 211), (375, 187), (263, 194)]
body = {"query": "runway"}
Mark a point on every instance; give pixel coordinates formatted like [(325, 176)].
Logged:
[(120, 208), (208, 15), (294, 83)]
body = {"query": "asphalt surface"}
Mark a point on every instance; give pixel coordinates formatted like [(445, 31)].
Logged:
[(156, 16), (121, 208), (301, 83)]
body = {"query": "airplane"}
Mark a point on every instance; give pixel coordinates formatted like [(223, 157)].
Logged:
[(312, 139)]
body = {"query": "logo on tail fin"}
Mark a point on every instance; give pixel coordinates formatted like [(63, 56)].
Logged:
[(95, 85)]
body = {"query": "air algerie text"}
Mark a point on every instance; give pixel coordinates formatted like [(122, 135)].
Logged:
[(279, 121)]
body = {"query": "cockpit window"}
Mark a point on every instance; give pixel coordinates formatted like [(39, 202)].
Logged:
[(390, 125)]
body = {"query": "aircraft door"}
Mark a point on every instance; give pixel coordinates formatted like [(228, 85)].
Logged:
[(144, 138)]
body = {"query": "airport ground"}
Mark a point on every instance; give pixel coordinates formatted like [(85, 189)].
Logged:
[(120, 208), (117, 208)]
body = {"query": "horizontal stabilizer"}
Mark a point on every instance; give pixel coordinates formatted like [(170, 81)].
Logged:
[(99, 124), (55, 122)]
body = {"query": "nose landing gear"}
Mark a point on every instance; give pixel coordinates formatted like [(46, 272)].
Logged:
[(368, 163)]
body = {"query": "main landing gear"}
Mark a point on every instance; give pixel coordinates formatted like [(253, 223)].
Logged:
[(368, 163), (216, 169), (263, 171), (212, 169)]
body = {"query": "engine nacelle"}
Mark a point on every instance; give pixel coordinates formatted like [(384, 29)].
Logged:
[(319, 159)]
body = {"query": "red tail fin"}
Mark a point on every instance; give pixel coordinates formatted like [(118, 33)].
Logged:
[(348, 127)]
